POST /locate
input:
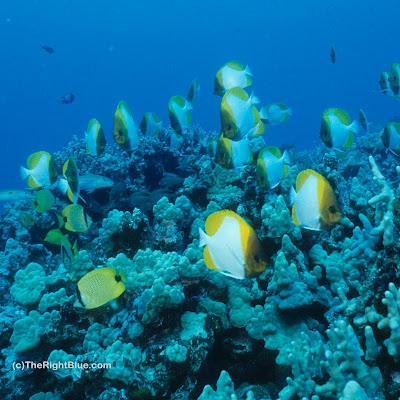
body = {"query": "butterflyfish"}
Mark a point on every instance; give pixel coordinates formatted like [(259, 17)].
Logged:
[(385, 85), (194, 90), (315, 206), (231, 246), (363, 120), (336, 130), (394, 79), (26, 219), (71, 174), (41, 171), (150, 124), (271, 167), (391, 136), (75, 219), (44, 201), (179, 116), (98, 287), (94, 138), (232, 154), (125, 133), (276, 113), (232, 75), (239, 116), (333, 55)]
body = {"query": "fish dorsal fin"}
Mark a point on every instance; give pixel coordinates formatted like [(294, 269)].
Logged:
[(239, 93), (282, 106), (236, 65), (342, 116), (274, 151), (302, 178), (34, 159), (214, 221)]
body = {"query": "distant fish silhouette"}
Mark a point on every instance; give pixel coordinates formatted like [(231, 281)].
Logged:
[(68, 98), (333, 55), (48, 49)]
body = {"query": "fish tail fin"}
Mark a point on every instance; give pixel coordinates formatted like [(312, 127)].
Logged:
[(247, 70), (188, 105), (62, 185), (60, 221), (203, 238), (286, 157), (292, 195), (354, 127), (289, 111), (263, 114), (24, 172), (254, 99)]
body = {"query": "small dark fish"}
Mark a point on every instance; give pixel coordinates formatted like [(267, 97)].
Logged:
[(333, 55), (68, 98), (48, 49)]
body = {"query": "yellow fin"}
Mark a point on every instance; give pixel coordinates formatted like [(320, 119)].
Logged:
[(214, 220), (294, 216), (235, 65), (34, 158), (341, 114), (303, 176), (275, 151), (32, 183), (208, 260), (285, 170)]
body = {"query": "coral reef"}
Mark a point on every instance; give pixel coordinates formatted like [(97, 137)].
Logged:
[(321, 322)]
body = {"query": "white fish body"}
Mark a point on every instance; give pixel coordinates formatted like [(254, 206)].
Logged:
[(225, 248)]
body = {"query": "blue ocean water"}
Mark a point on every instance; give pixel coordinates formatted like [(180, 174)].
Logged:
[(144, 52)]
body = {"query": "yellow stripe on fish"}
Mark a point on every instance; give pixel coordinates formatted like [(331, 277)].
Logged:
[(315, 206), (231, 246), (239, 117), (125, 133), (98, 287), (271, 168), (178, 111), (336, 130), (94, 138), (232, 154)]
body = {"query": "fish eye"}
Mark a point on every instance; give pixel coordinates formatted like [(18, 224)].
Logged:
[(118, 278), (332, 209), (229, 127), (65, 219), (257, 258)]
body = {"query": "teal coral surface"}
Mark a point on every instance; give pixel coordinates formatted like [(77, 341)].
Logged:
[(321, 322)]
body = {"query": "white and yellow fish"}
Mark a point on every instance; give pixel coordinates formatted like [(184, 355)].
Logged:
[(271, 167), (232, 75), (239, 116), (42, 170), (231, 246), (232, 154), (391, 137), (94, 138), (336, 130), (275, 113), (125, 133), (315, 206), (150, 124), (194, 90), (178, 111)]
